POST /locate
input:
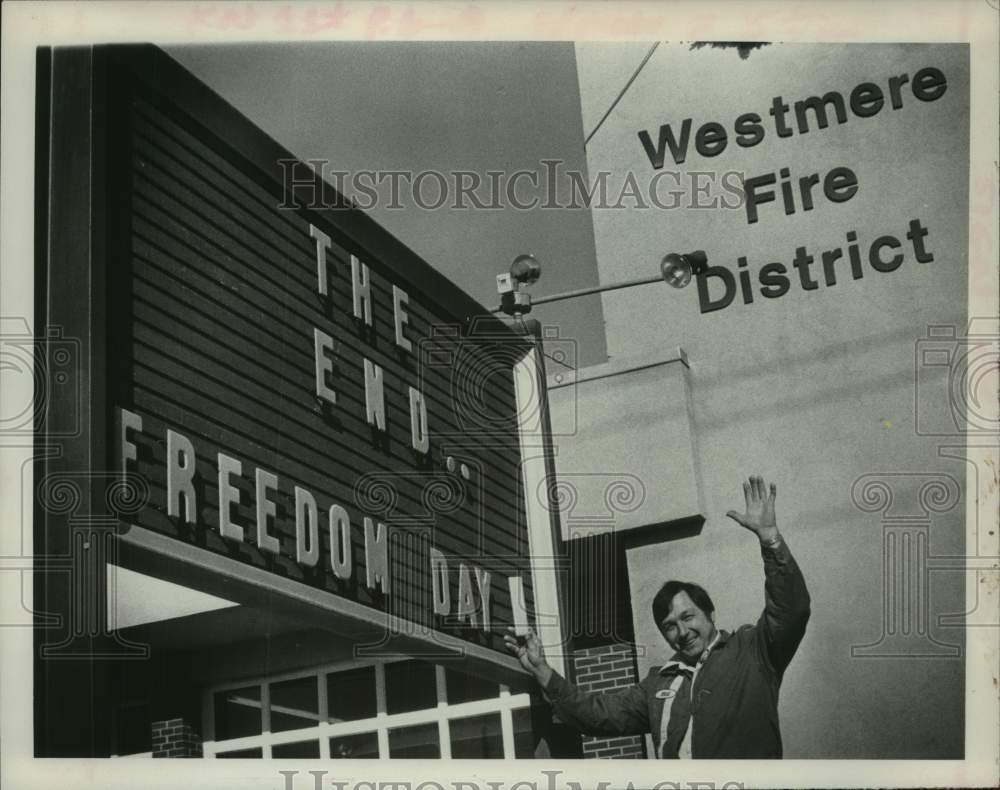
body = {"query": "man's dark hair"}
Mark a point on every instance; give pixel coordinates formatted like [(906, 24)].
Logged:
[(661, 603)]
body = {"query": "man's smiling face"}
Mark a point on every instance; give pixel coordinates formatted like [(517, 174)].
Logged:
[(687, 629)]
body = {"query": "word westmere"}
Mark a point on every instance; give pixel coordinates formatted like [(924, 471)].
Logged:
[(718, 286)]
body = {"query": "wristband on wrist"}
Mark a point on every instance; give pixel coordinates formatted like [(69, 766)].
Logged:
[(772, 543)]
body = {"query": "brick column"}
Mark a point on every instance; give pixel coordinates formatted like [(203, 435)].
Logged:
[(175, 738), (606, 668)]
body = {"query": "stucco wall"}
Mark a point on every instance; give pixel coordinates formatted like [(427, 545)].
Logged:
[(815, 389)]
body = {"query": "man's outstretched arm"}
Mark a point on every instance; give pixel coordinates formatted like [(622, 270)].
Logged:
[(611, 713), (782, 624)]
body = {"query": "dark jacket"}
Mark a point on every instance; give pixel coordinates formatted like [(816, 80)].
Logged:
[(734, 702)]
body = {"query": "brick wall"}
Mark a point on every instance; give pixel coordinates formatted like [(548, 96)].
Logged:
[(175, 738), (606, 668)]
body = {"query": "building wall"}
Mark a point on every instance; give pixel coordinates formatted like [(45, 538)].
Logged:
[(822, 391), (603, 669), (175, 738)]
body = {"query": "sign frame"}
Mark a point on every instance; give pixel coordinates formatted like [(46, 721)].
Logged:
[(75, 239)]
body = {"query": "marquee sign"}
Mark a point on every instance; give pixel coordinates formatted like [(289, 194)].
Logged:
[(302, 400)]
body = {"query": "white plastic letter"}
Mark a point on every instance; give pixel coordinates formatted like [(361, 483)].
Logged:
[(376, 555), (418, 422), (374, 396), (340, 542), (323, 343), (228, 495), (518, 607), (483, 582), (306, 529), (439, 582), (401, 317), (322, 245), (127, 421), (361, 282), (466, 600), (265, 508), (180, 477)]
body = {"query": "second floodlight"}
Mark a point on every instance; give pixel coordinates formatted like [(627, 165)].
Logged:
[(677, 269)]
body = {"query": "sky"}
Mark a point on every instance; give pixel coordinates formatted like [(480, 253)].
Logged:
[(445, 107)]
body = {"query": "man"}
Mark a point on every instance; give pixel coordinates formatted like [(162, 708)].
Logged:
[(717, 697)]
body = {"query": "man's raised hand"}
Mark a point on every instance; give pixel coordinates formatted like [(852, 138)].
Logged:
[(528, 650), (759, 514)]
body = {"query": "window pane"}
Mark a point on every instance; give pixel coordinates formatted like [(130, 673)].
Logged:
[(419, 741), (524, 736), (237, 713), (241, 754), (351, 694), (476, 737), (294, 704), (466, 688), (354, 747), (298, 749), (410, 685)]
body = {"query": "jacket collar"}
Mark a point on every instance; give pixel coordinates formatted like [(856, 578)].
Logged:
[(676, 664)]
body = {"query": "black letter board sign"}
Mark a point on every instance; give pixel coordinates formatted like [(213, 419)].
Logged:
[(307, 416)]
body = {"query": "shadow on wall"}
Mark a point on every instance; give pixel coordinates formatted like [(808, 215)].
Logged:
[(898, 371)]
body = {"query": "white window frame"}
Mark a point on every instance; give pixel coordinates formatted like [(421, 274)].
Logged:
[(505, 703)]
